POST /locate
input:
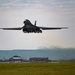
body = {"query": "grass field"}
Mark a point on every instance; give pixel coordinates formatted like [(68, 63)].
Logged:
[(62, 68)]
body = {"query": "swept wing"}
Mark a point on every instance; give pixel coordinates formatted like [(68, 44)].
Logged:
[(18, 28), (52, 28)]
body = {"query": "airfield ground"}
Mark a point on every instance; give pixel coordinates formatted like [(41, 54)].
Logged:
[(62, 68)]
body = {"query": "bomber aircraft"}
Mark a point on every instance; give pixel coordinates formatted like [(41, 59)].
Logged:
[(32, 28)]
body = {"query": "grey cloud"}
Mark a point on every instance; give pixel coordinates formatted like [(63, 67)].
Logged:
[(45, 4)]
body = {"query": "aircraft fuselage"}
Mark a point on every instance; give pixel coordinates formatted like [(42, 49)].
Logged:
[(29, 27)]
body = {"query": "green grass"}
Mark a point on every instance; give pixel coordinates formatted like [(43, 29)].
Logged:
[(62, 68)]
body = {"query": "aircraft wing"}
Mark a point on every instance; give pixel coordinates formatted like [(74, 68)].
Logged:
[(52, 28), (18, 28)]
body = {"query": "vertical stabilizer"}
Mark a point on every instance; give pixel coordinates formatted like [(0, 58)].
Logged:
[(35, 23)]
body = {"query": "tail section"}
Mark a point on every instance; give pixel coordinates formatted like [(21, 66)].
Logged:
[(35, 23)]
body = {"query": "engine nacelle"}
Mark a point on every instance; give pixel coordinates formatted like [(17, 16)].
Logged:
[(32, 30)]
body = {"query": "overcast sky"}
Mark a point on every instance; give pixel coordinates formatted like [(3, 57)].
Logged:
[(48, 13)]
